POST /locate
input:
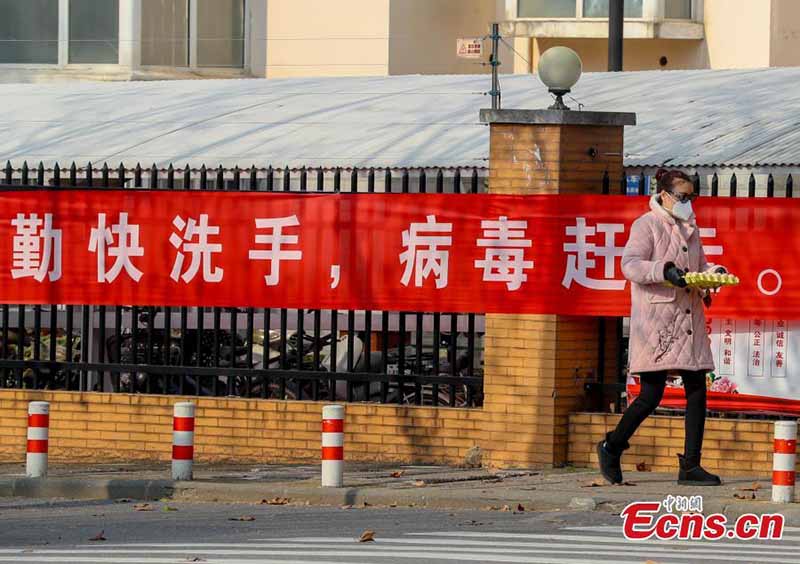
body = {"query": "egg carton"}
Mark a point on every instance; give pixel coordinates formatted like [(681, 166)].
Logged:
[(705, 280)]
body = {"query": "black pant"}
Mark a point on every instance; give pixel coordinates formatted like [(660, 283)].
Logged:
[(652, 390)]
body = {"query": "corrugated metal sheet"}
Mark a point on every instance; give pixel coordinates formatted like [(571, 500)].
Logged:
[(686, 118)]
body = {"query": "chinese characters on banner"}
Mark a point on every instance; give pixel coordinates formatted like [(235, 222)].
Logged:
[(396, 252)]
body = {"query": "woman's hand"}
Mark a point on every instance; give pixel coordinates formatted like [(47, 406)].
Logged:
[(674, 275)]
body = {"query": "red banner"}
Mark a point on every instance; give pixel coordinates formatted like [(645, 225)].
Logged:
[(406, 252)]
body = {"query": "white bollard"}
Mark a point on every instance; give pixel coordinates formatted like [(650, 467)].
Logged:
[(784, 457), (183, 441), (332, 446), (38, 436)]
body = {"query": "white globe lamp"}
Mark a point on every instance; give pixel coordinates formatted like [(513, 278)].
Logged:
[(560, 69)]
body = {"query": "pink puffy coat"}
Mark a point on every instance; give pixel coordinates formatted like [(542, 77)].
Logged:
[(668, 325)]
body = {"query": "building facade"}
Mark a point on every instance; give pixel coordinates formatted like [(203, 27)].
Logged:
[(157, 39)]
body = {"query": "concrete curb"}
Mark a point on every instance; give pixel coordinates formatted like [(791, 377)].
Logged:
[(357, 497), (69, 488)]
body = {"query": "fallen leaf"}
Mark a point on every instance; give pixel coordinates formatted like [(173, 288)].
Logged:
[(346, 507), (642, 467), (398, 474), (367, 536), (754, 488), (143, 507), (650, 562), (276, 501), (505, 508), (595, 484), (168, 508), (520, 508), (243, 518), (393, 505), (366, 504), (98, 537), (419, 483), (748, 495)]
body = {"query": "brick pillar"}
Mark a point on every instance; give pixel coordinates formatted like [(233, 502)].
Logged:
[(536, 365)]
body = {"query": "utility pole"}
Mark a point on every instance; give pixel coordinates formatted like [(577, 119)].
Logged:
[(616, 16), (495, 92)]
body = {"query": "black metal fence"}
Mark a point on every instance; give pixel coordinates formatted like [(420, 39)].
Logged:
[(420, 358)]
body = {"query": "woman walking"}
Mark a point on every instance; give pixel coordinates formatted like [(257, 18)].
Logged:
[(668, 327)]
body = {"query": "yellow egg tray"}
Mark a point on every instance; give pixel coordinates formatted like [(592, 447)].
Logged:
[(706, 280)]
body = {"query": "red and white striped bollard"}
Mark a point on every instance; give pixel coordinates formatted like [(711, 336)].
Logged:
[(183, 441), (784, 458), (332, 446), (38, 437)]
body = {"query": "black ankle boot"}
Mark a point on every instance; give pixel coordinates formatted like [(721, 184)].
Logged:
[(692, 474), (609, 460)]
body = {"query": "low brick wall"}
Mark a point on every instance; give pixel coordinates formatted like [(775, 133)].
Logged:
[(99, 427), (730, 447)]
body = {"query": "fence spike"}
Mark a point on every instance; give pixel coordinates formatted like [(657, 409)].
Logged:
[(121, 174), (56, 175), (220, 183), (137, 176), (237, 178), (73, 174), (287, 180), (203, 177), (474, 180), (40, 174), (320, 179), (770, 186), (623, 184), (171, 177), (337, 179), (423, 181), (751, 186), (371, 180), (789, 186), (89, 174), (387, 180), (715, 185), (606, 183), (457, 181), (642, 190), (187, 177), (270, 178), (354, 179), (440, 182), (733, 185), (253, 177), (404, 181), (9, 173), (303, 179), (696, 182), (153, 177)]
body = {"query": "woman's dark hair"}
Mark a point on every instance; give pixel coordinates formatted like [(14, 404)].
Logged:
[(665, 178)]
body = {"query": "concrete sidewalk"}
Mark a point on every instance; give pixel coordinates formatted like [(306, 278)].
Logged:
[(402, 486)]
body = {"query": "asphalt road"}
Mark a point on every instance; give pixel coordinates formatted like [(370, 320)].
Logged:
[(59, 532)]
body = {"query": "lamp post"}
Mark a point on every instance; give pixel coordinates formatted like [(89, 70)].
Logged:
[(560, 69)]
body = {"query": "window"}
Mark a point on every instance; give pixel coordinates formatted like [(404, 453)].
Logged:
[(94, 32), (546, 9), (220, 33), (165, 33), (193, 33), (678, 9), (599, 8), (29, 31)]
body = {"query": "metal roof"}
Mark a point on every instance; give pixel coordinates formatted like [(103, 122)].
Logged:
[(685, 118)]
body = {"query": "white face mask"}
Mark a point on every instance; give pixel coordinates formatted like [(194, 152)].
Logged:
[(682, 210)]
